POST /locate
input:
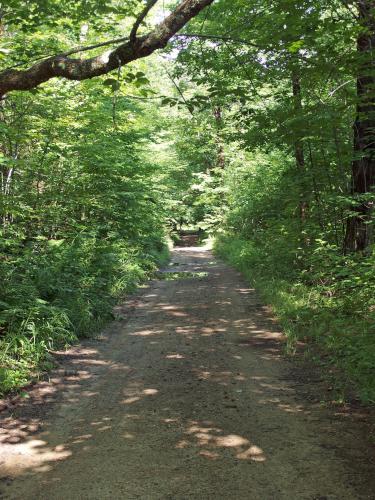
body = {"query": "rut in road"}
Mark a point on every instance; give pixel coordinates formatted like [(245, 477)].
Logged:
[(189, 398)]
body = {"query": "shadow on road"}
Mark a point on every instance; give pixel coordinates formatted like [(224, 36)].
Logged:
[(191, 388)]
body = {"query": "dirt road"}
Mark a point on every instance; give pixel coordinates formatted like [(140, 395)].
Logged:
[(188, 398)]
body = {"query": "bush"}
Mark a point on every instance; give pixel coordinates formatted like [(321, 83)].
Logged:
[(56, 292)]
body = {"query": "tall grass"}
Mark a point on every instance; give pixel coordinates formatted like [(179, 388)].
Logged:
[(56, 292)]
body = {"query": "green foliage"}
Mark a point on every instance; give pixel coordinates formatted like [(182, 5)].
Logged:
[(277, 102), (332, 307), (244, 131), (56, 294), (81, 215)]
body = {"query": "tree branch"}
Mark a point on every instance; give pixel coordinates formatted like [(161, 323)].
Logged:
[(86, 48), (82, 69), (179, 91), (140, 19), (75, 50), (218, 38)]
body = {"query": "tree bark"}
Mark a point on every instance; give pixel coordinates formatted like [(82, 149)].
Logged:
[(359, 227), (82, 69)]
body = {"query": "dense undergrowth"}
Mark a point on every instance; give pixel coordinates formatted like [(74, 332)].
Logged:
[(82, 220), (61, 292), (320, 296), (325, 308), (280, 188)]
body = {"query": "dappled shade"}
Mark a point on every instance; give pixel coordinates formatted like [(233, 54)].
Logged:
[(186, 391)]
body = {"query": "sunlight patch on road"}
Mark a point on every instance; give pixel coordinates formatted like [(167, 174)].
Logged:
[(136, 393), (213, 439), (33, 454)]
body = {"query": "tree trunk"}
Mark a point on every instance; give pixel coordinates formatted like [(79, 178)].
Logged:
[(359, 228), (298, 150), (220, 147)]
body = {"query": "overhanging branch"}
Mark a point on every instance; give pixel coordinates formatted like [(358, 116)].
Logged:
[(81, 69), (115, 41)]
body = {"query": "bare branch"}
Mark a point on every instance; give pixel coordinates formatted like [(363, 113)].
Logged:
[(178, 90), (216, 37)]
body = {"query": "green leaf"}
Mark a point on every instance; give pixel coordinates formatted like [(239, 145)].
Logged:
[(295, 46), (111, 82)]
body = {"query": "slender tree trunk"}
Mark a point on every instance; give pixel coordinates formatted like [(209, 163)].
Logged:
[(320, 215), (299, 151), (220, 147), (359, 228)]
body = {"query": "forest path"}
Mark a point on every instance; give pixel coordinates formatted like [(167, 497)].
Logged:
[(189, 398)]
